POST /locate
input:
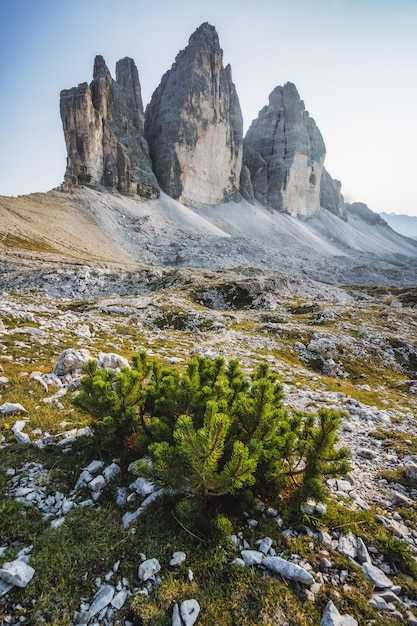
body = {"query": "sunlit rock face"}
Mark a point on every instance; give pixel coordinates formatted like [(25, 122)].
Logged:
[(331, 197), (194, 125), (104, 132), (284, 152)]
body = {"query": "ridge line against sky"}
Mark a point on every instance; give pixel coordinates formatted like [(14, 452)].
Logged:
[(354, 63)]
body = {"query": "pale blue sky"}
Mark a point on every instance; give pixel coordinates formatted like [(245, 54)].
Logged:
[(354, 63)]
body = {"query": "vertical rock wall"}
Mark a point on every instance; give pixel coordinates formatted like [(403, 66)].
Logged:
[(104, 132), (331, 195), (284, 152), (194, 125)]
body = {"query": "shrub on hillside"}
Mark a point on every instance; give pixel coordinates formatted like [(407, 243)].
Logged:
[(210, 432)]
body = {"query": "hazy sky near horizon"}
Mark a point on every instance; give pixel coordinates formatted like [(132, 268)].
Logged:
[(354, 63)]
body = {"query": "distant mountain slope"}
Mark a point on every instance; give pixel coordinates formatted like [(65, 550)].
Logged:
[(404, 224), (87, 225)]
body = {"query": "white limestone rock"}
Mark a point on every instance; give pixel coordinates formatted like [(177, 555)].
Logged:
[(252, 557), (17, 573), (194, 125), (177, 559), (284, 152), (376, 576), (112, 361), (70, 361), (332, 617), (11, 408), (102, 599), (186, 614), (410, 466), (288, 570), (148, 569)]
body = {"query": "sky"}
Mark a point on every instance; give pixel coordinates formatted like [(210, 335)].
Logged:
[(354, 63)]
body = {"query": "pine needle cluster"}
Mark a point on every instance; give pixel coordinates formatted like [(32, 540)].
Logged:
[(208, 431)]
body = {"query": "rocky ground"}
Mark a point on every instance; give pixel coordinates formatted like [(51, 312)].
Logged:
[(352, 350)]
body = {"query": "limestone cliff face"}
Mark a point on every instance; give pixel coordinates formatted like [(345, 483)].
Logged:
[(194, 125), (284, 152), (331, 197), (104, 132)]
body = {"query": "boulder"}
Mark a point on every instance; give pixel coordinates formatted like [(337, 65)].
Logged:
[(194, 125), (284, 153), (409, 463), (70, 361)]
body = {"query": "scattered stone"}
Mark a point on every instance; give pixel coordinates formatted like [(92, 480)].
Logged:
[(265, 545), (17, 573), (129, 518), (119, 599), (410, 466), (376, 576), (94, 467), (332, 617), (366, 453), (70, 361), (148, 569), (348, 545), (97, 484), (252, 557), (289, 570), (10, 408), (20, 436), (177, 559), (186, 614), (362, 555), (111, 472), (102, 599)]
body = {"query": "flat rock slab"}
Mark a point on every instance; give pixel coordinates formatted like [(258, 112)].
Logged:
[(376, 576), (17, 573), (289, 570), (102, 599)]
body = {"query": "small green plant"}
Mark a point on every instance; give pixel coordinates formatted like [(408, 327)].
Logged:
[(209, 432), (115, 400)]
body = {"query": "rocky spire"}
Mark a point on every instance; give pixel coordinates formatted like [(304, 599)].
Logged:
[(104, 132), (284, 152), (331, 197), (194, 125)]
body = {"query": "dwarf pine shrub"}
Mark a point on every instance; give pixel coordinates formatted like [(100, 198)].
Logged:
[(211, 432)]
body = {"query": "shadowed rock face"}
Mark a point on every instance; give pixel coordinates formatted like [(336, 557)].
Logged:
[(194, 125), (284, 152), (331, 195), (104, 132)]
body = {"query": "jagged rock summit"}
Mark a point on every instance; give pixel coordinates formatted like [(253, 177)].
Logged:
[(189, 142), (284, 152), (104, 132), (194, 125)]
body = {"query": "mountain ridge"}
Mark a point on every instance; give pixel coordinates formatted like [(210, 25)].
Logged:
[(86, 225), (264, 201)]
